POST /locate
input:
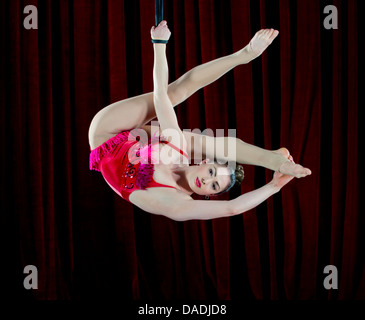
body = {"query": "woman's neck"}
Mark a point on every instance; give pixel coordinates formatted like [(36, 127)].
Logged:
[(180, 174)]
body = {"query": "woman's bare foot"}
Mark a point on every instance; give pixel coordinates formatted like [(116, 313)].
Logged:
[(258, 44), (290, 167), (284, 151), (262, 40)]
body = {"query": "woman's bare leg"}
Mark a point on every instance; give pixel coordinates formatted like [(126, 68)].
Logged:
[(136, 111), (236, 150), (244, 153)]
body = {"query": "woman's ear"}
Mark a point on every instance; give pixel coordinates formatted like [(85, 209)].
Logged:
[(205, 161)]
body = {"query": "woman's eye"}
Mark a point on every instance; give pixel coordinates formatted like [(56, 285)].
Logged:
[(214, 187), (211, 172)]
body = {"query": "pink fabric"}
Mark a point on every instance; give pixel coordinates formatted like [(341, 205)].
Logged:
[(125, 175), (98, 153), (144, 176)]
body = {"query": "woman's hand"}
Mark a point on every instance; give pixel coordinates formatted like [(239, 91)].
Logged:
[(161, 32), (280, 179)]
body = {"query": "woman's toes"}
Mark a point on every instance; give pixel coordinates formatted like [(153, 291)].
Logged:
[(293, 169), (274, 35), (304, 172)]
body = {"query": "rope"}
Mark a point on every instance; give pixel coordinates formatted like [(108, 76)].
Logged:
[(158, 11)]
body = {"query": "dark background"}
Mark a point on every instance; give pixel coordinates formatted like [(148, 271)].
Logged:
[(88, 243)]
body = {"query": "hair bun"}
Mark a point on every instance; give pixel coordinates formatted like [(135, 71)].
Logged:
[(240, 174)]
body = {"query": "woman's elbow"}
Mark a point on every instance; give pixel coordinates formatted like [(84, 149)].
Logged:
[(233, 211)]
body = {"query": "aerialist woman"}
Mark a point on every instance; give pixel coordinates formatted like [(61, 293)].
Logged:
[(164, 187)]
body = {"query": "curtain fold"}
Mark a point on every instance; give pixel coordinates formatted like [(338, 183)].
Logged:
[(85, 241)]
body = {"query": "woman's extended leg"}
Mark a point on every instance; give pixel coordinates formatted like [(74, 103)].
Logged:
[(136, 111), (231, 149), (273, 160)]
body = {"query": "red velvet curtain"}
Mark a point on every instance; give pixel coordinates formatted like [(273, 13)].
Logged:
[(87, 242)]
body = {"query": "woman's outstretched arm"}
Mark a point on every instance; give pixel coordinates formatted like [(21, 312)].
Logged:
[(176, 206), (212, 209)]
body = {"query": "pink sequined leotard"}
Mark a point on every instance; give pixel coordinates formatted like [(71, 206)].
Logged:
[(123, 176)]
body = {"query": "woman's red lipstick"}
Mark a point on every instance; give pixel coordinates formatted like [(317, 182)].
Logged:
[(198, 183)]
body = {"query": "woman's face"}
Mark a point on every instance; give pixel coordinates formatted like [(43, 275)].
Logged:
[(208, 179)]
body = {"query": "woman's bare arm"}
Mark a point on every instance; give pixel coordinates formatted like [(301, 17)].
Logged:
[(180, 207), (163, 106), (212, 209)]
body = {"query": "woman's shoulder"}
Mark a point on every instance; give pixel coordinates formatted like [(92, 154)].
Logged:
[(157, 200)]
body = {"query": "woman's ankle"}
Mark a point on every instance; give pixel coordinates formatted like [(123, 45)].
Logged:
[(246, 55), (281, 156)]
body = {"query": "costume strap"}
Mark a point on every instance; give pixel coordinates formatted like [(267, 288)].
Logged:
[(176, 148)]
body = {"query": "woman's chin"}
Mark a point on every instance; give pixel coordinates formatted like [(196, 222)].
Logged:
[(195, 190), (199, 193)]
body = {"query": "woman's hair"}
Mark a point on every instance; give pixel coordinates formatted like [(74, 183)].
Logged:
[(237, 176)]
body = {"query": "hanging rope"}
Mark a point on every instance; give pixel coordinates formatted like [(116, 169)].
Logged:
[(158, 11), (159, 18)]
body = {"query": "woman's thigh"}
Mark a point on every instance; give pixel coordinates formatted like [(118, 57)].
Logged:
[(207, 146), (123, 115), (128, 114)]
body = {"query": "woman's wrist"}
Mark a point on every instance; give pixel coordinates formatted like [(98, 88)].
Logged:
[(246, 55), (274, 186), (250, 200)]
